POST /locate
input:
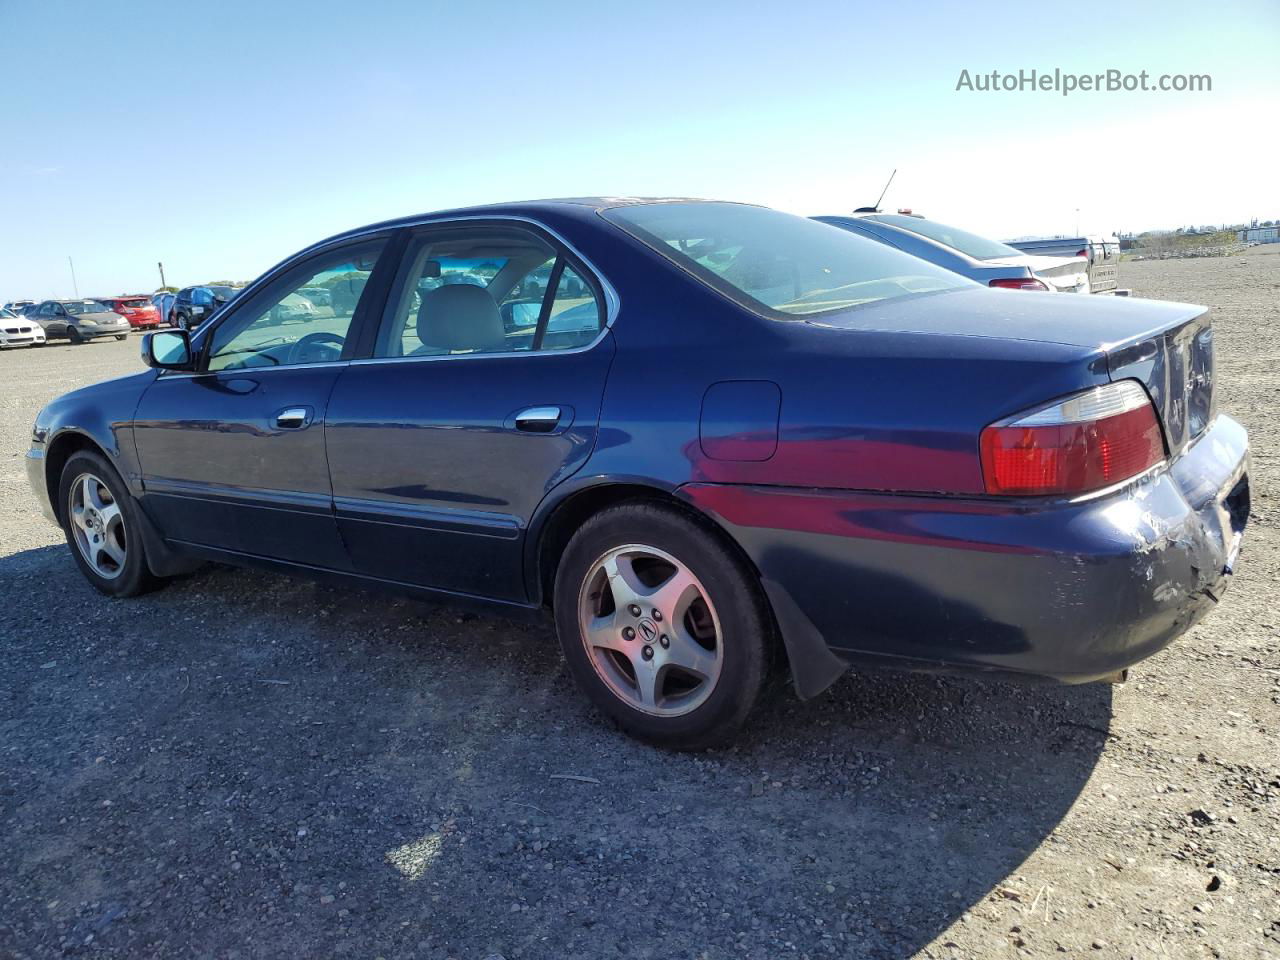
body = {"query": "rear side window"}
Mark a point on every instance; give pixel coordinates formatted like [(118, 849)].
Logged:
[(486, 290), (573, 317), (777, 264)]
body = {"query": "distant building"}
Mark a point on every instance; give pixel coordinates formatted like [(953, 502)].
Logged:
[(1257, 234)]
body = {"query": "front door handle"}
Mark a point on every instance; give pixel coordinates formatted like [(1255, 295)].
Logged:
[(293, 418), (538, 419)]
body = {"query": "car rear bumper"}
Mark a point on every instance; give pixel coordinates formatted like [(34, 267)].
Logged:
[(1073, 591)]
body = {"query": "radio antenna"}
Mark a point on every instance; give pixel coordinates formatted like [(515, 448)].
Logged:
[(876, 208)]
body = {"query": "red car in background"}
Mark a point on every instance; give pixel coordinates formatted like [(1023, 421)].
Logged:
[(139, 311)]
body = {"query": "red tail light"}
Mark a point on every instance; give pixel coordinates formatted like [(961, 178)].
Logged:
[(1089, 441), (1083, 253), (1019, 283)]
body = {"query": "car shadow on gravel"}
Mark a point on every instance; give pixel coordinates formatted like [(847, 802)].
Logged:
[(249, 762)]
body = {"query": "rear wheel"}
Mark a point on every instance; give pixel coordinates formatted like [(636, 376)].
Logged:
[(100, 519), (662, 625), (122, 336)]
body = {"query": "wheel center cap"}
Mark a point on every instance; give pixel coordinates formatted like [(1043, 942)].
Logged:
[(648, 630)]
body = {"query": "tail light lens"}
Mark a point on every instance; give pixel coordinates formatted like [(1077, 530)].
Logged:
[(1019, 283), (1091, 440)]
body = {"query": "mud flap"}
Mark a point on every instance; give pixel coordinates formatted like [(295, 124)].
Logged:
[(163, 560), (813, 666)]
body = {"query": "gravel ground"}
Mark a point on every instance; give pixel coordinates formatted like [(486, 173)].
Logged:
[(247, 765)]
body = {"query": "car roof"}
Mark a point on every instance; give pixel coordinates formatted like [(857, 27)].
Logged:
[(579, 207)]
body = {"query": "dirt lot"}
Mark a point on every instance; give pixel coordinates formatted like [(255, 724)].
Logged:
[(246, 765)]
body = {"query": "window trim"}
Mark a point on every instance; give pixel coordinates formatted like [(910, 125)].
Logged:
[(566, 255)]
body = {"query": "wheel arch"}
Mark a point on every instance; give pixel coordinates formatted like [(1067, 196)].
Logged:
[(61, 449), (551, 532), (797, 645)]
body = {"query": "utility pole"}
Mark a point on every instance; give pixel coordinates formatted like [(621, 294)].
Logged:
[(161, 266), (1077, 221), (74, 285)]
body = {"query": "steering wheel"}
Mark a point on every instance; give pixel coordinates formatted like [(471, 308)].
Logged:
[(298, 352)]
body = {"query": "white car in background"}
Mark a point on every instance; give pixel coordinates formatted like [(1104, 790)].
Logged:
[(18, 331)]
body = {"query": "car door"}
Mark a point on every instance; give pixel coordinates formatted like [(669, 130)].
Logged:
[(53, 316), (233, 455), (478, 399)]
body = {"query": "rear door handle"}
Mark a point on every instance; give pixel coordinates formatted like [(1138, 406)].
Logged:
[(293, 418), (538, 419)]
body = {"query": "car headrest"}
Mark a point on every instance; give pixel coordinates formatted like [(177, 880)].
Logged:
[(458, 317)]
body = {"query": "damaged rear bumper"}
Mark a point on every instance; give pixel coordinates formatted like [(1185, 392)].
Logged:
[(1068, 590)]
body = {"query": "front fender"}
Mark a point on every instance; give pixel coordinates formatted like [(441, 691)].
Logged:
[(101, 415)]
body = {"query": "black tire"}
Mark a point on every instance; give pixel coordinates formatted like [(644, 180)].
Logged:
[(74, 335), (746, 624), (135, 577), (122, 336)]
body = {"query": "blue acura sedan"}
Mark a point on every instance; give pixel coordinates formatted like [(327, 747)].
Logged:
[(713, 439)]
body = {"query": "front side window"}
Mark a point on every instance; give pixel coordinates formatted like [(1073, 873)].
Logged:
[(485, 290), (282, 327), (777, 264)]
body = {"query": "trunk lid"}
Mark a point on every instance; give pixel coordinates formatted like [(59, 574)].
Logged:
[(1176, 367), (1166, 346), (1061, 273)]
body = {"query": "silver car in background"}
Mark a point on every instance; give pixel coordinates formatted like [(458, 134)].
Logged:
[(79, 320), (989, 262)]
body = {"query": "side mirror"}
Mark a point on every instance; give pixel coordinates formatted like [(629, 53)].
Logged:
[(167, 350)]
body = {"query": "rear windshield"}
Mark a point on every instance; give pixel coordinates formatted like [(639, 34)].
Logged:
[(970, 244), (134, 302), (778, 264)]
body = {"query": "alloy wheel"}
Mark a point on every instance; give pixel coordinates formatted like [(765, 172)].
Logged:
[(650, 630), (98, 525)]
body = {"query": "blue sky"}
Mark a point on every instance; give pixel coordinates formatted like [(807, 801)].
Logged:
[(221, 137)]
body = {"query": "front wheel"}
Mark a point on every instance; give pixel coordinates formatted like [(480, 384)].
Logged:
[(662, 625), (100, 520), (74, 335)]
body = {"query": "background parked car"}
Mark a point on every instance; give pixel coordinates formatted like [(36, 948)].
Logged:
[(294, 308), (139, 310), (320, 296), (163, 302), (18, 331), (79, 320), (20, 307), (989, 262), (1101, 253), (194, 305)]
